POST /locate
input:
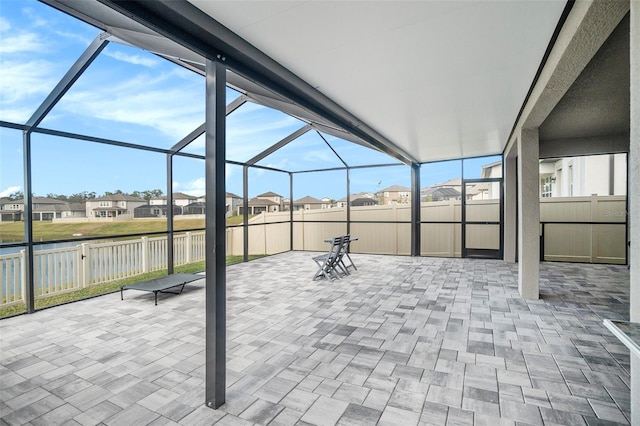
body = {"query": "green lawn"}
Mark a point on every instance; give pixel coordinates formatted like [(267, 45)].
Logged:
[(45, 231), (100, 289)]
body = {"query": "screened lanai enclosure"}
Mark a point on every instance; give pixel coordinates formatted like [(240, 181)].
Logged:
[(143, 128), (147, 138), (124, 108)]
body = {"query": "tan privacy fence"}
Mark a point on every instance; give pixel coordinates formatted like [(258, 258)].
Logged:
[(584, 229), (576, 229)]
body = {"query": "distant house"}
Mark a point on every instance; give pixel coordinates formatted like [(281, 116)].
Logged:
[(449, 190), (232, 202), (439, 194), (342, 202), (199, 207), (43, 208), (154, 210), (259, 205), (583, 176), (395, 194), (276, 198), (363, 202), (307, 203), (179, 199), (75, 210), (327, 203), (112, 206)]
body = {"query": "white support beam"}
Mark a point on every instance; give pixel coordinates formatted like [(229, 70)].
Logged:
[(634, 201), (510, 206), (528, 215)]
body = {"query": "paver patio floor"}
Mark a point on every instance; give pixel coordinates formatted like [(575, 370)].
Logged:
[(401, 341)]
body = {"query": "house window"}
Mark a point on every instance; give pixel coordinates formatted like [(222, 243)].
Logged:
[(570, 177), (105, 204), (156, 211), (545, 187)]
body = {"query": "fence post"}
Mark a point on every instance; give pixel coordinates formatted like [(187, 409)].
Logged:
[(188, 249), (452, 215), (85, 264), (144, 243), (594, 228), (23, 275)]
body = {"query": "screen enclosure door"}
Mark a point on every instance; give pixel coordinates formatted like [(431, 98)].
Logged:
[(482, 218)]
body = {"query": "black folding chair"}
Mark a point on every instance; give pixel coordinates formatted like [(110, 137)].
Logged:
[(327, 263)]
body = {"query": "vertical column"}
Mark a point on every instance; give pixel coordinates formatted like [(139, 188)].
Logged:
[(634, 200), (28, 281), (245, 213), (510, 206), (415, 209), (169, 214), (290, 211), (528, 214), (215, 282)]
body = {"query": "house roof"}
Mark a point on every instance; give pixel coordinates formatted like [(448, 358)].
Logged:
[(447, 184), (177, 196), (358, 195), (34, 200), (396, 188), (441, 192), (308, 200), (232, 195), (364, 200), (109, 209), (269, 194), (118, 197), (257, 202)]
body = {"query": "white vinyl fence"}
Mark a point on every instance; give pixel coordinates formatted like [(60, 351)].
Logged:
[(60, 270)]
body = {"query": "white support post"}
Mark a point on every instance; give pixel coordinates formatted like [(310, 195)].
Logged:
[(188, 248), (510, 208), (634, 200), (144, 243), (23, 275), (528, 214), (85, 262), (594, 228)]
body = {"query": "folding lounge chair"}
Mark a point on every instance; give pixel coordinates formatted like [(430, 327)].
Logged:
[(327, 263)]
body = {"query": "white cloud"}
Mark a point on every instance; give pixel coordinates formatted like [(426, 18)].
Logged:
[(173, 110), (10, 190), (74, 36), (22, 42), (132, 59), (4, 25), (195, 187), (23, 79)]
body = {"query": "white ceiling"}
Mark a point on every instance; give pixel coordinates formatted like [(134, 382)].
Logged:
[(440, 79)]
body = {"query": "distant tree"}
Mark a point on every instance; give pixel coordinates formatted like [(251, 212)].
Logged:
[(16, 195), (60, 197), (81, 197), (148, 194), (116, 192)]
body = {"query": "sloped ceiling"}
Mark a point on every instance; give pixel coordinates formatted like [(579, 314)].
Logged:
[(432, 80), (440, 80)]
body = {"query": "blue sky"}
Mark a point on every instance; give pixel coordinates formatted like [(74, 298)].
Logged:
[(134, 96)]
